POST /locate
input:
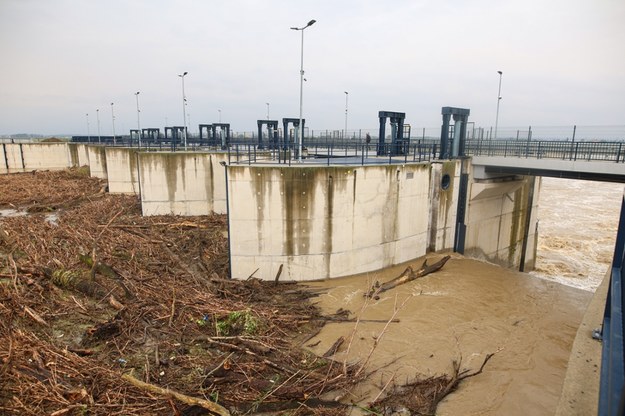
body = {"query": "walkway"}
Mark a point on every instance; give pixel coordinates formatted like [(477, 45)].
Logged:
[(601, 161)]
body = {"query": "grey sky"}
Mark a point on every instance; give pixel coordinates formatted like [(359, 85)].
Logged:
[(563, 62)]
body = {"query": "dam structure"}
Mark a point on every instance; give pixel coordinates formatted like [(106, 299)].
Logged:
[(337, 210)]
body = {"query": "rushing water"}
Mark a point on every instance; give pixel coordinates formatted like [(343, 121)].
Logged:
[(577, 228), (471, 308)]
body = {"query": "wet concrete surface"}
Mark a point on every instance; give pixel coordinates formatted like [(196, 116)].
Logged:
[(466, 310)]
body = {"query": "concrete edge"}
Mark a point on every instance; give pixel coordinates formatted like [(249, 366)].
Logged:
[(580, 390)]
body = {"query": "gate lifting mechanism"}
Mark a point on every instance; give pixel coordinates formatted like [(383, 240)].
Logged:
[(151, 135), (453, 137), (286, 139), (400, 134), (272, 133), (452, 147), (206, 127), (225, 138), (211, 134), (135, 135), (174, 134)]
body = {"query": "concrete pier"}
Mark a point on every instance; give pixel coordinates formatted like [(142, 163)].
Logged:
[(122, 170), (182, 183), (78, 154), (326, 221), (97, 161), (314, 221), (501, 220), (24, 157)]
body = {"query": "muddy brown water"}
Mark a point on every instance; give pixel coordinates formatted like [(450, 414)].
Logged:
[(468, 309)]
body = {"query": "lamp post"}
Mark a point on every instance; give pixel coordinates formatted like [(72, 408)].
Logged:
[(113, 122), (97, 114), (184, 109), (301, 88), (498, 100), (138, 117), (219, 111), (345, 131), (267, 111), (88, 132)]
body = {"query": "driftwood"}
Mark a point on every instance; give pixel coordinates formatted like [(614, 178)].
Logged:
[(35, 316), (422, 396), (334, 348), (408, 275), (75, 280), (193, 401), (278, 275)]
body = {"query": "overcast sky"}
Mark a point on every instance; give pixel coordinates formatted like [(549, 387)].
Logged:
[(563, 62)]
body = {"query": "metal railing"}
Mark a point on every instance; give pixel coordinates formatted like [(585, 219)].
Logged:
[(549, 149), (414, 150), (612, 381), (333, 153)]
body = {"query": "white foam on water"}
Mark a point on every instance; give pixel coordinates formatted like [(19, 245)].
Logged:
[(576, 231)]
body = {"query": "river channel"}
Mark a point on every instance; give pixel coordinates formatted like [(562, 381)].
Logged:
[(472, 308), (466, 310)]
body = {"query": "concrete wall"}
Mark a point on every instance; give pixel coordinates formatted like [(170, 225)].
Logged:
[(182, 183), (78, 154), (329, 221), (23, 157), (122, 170), (497, 215), (4, 163), (316, 221), (83, 155), (97, 161), (444, 204)]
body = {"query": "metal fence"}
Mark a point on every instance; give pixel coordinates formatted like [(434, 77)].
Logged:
[(331, 153), (549, 149), (612, 381)]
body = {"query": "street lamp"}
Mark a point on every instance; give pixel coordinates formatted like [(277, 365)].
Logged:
[(184, 110), (267, 111), (97, 114), (113, 120), (345, 131), (498, 100), (138, 117), (219, 111), (301, 88), (88, 132)]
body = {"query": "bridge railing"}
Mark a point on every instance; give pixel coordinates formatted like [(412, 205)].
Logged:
[(549, 149), (612, 381)]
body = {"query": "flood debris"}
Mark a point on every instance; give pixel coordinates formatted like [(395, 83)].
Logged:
[(45, 191), (108, 312), (106, 303), (421, 396), (408, 275)]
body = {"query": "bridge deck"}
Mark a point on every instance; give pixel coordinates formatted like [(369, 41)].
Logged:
[(570, 169)]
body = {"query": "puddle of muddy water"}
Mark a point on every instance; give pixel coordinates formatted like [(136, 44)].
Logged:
[(51, 217), (12, 213), (468, 309)]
